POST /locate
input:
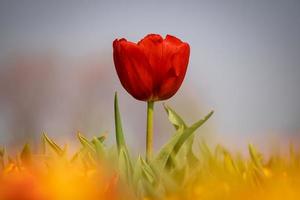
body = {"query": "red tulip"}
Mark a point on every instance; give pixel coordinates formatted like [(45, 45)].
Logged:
[(154, 68)]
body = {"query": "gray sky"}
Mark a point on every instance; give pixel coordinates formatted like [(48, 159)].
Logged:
[(245, 55)]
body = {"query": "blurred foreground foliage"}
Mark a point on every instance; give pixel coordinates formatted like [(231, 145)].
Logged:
[(177, 172)]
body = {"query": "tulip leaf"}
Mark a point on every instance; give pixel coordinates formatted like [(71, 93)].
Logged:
[(118, 126), (206, 153), (95, 146), (189, 131), (26, 155), (53, 145), (101, 138), (151, 191), (255, 156), (99, 147), (125, 166), (228, 160), (187, 149), (137, 172), (2, 152), (148, 172), (179, 174), (86, 143), (75, 156), (142, 171), (174, 118), (170, 150), (124, 158), (165, 153), (146, 181)]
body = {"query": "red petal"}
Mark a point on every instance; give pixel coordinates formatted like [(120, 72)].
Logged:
[(152, 46), (176, 57), (171, 46), (133, 69), (173, 40), (181, 59)]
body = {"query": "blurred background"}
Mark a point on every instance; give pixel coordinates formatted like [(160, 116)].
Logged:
[(57, 73)]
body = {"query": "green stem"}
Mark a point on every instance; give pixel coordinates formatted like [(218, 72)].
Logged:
[(149, 139)]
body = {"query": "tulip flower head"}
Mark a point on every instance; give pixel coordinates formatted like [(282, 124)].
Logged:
[(154, 68)]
